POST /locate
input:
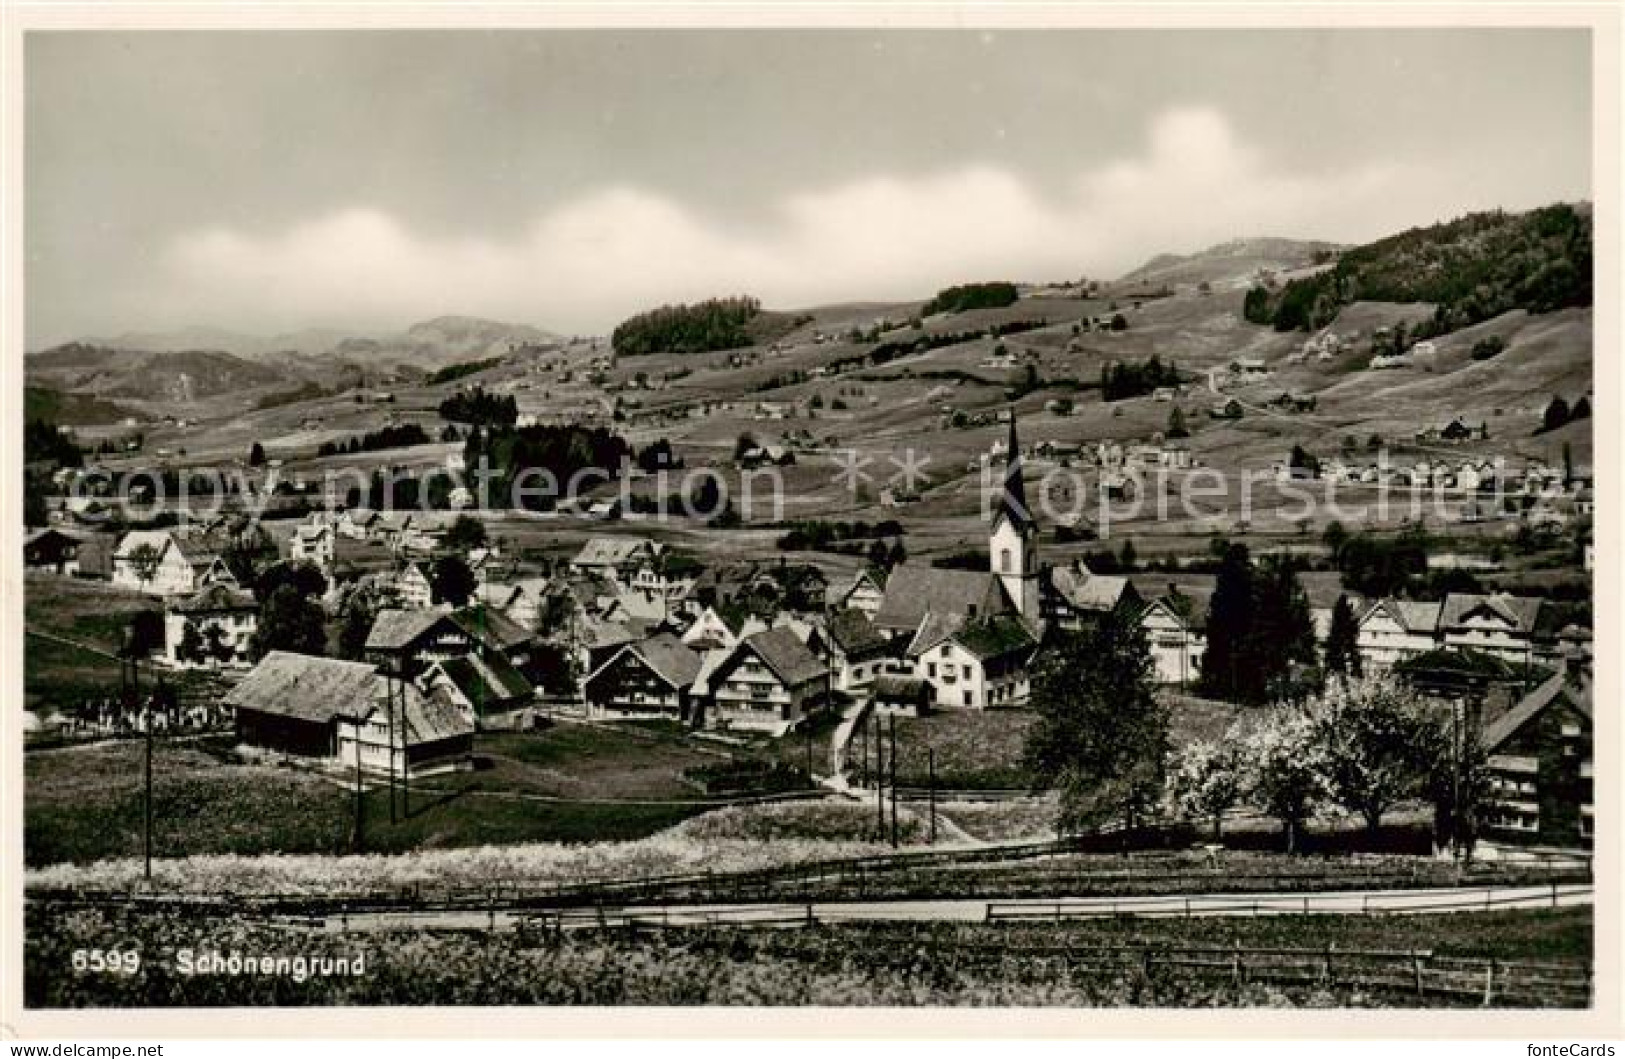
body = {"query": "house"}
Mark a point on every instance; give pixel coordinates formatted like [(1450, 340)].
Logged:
[(95, 556), (52, 550), (1394, 630), (1176, 641), (414, 585), (1539, 760), (486, 689), (977, 664), (525, 600), (649, 678), (222, 621), (1230, 409), (858, 652), (1077, 595), (391, 527), (864, 593), (1500, 625), (1249, 367), (721, 626), (166, 563), (616, 558), (341, 714), (408, 641), (406, 732), (896, 694), (769, 681), (358, 524), (314, 542)]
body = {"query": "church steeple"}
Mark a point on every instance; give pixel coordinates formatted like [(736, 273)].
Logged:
[(1013, 502), (1013, 536)]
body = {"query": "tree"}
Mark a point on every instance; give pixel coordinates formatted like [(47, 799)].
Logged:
[(1119, 322), (1286, 767), (190, 648), (1176, 424), (1281, 644), (1371, 733), (466, 534), (1101, 736), (303, 577), (1128, 557), (355, 623), (1557, 414), (290, 621), (1209, 779), (453, 581), (143, 561), (1230, 617), (1342, 641), (1458, 779), (256, 455)]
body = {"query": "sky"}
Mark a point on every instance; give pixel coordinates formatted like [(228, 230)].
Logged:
[(267, 182)]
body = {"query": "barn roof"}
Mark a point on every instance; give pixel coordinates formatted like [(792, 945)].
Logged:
[(1502, 728), (782, 651), (482, 680), (215, 596), (612, 551), (306, 688), (395, 628)]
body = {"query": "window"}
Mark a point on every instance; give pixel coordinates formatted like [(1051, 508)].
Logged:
[(965, 672), (1004, 560), (968, 699), (931, 669)]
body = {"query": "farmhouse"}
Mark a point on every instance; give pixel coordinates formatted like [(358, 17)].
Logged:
[(1393, 630), (407, 641), (1176, 642), (768, 682), (649, 678), (211, 628), (974, 665), (1540, 767), (1078, 595), (1230, 409), (1501, 625), (52, 550), (865, 592), (415, 734), (415, 586), (291, 703), (166, 563), (721, 626), (314, 542), (525, 600), (616, 558), (485, 689), (858, 652)]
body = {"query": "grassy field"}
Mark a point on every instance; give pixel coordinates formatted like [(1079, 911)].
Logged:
[(884, 965), (562, 785), (974, 750)]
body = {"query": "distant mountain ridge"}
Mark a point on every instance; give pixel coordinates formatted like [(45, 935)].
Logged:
[(1230, 262)]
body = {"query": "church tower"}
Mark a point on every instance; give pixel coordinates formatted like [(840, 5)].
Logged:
[(1013, 536)]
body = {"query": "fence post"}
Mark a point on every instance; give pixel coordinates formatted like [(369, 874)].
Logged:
[(810, 920), (1235, 965), (1327, 975), (1489, 982), (1554, 893), (1416, 967)]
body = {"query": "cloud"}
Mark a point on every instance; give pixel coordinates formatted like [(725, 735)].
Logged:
[(587, 263)]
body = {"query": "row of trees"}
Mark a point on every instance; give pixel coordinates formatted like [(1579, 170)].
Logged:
[(967, 296), (1101, 740), (389, 437), (476, 406), (718, 323), (1260, 636), (1363, 745), (1121, 380), (564, 452)]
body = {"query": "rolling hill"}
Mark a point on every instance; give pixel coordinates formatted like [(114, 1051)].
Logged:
[(1229, 264)]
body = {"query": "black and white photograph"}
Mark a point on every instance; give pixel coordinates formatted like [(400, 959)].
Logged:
[(901, 516)]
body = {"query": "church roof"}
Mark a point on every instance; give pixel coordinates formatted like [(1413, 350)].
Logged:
[(1013, 501)]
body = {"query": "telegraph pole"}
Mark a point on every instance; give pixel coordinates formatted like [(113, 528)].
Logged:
[(880, 784), (389, 704), (931, 789), (360, 804), (894, 781)]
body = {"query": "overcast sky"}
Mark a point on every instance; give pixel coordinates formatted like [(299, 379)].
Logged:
[(267, 182)]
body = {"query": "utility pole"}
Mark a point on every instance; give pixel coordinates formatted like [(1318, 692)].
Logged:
[(931, 789), (389, 704), (147, 804), (360, 805), (880, 784), (894, 781)]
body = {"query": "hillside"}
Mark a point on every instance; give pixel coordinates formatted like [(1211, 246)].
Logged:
[(1470, 269), (1229, 264), (70, 409), (176, 377)]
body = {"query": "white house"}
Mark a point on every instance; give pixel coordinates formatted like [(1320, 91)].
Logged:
[(224, 619), (975, 665), (1394, 630), (165, 563), (1177, 645), (414, 587)]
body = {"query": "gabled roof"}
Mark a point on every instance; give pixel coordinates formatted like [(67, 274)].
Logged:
[(1520, 612), (1505, 726), (612, 551), (933, 629), (481, 680), (395, 628), (491, 627), (669, 658), (916, 589), (995, 637), (215, 597), (1411, 615), (783, 653), (1085, 590), (307, 688), (855, 635), (425, 717)]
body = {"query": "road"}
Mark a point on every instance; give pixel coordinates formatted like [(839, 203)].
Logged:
[(980, 910)]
